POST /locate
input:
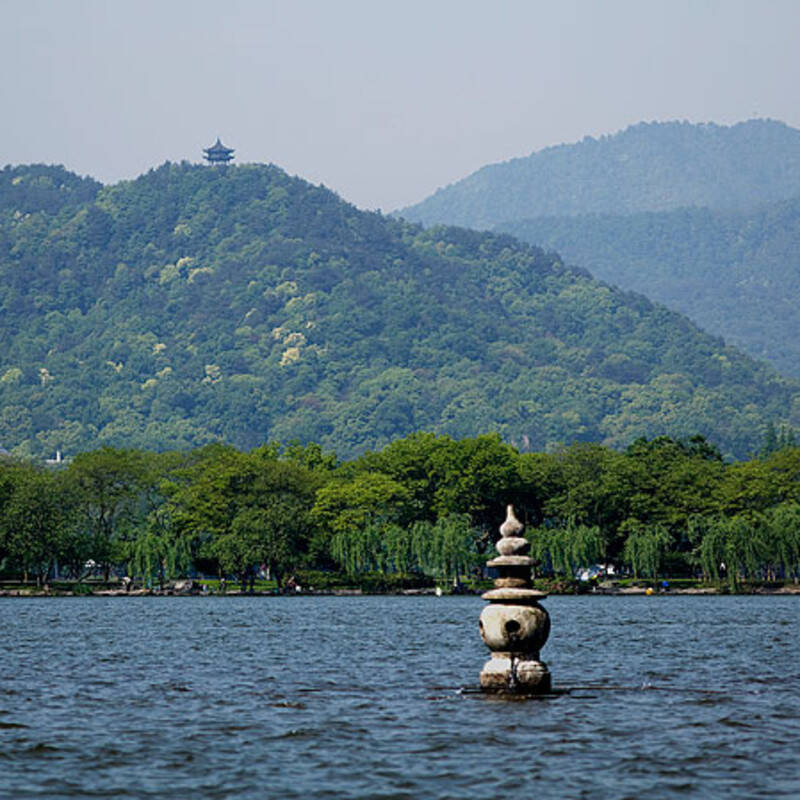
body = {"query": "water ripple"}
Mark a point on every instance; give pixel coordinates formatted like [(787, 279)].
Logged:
[(359, 698)]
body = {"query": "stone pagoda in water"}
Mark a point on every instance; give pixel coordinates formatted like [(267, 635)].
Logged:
[(514, 626), (218, 153)]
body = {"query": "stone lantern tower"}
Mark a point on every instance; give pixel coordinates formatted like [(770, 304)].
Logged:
[(514, 626)]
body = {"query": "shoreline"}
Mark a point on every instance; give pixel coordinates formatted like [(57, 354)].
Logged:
[(168, 592)]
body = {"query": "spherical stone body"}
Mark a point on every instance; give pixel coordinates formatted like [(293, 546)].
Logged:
[(514, 628)]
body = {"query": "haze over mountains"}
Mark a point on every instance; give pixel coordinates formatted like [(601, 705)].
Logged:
[(648, 167), (238, 303), (736, 274), (702, 218)]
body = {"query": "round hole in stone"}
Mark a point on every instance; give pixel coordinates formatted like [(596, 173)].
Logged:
[(512, 627)]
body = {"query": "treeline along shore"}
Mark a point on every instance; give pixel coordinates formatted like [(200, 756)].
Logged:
[(423, 511)]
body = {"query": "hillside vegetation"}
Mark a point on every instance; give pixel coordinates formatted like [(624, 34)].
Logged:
[(734, 273), (647, 167), (197, 304)]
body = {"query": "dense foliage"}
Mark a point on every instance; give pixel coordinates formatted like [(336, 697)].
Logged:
[(425, 505), (736, 274), (238, 304), (647, 167)]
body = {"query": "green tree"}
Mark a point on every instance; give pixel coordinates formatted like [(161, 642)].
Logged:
[(415, 462), (447, 548), (770, 440), (246, 509), (782, 540), (592, 489), (645, 547), (351, 503), (567, 549), (361, 549), (36, 516), (541, 479), (478, 477), (108, 485), (157, 550), (733, 548)]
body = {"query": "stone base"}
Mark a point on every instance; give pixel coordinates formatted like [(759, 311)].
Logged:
[(515, 674)]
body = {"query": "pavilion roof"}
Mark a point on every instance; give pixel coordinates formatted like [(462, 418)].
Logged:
[(217, 147)]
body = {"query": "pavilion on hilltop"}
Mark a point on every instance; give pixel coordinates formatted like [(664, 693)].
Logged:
[(218, 153)]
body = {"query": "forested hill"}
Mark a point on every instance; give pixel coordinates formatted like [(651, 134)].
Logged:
[(197, 303), (647, 167), (26, 190), (734, 273)]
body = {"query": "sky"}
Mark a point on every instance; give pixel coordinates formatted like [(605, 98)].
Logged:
[(381, 101)]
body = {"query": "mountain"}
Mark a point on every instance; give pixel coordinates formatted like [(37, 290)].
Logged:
[(734, 273), (647, 167), (238, 303), (25, 190)]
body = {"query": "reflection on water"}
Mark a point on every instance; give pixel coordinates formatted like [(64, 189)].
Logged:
[(331, 697)]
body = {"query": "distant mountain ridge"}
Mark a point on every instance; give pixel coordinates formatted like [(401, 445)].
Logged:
[(647, 167), (736, 274), (237, 303)]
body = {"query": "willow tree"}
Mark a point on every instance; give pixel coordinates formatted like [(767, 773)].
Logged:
[(157, 558), (782, 539), (359, 549), (398, 546), (567, 549), (645, 547), (734, 548), (447, 548)]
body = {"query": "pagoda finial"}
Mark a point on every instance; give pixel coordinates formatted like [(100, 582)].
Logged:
[(512, 526)]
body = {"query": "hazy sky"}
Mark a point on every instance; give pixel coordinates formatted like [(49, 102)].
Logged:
[(381, 101)]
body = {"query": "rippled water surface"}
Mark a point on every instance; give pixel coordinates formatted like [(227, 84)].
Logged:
[(357, 697)]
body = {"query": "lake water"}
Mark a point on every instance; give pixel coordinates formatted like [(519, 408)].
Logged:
[(357, 697)]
